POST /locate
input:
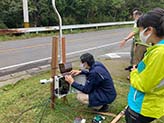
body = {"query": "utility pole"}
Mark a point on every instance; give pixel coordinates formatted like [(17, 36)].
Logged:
[(25, 14)]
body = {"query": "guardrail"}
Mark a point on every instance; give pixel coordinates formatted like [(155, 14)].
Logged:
[(54, 28)]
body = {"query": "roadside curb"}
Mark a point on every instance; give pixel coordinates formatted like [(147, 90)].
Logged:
[(15, 77)]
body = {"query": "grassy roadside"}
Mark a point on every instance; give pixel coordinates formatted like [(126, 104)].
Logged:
[(27, 101), (28, 95), (54, 33)]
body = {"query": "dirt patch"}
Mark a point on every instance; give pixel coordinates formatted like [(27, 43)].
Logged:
[(117, 68)]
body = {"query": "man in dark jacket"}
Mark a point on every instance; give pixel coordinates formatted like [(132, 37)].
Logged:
[(98, 90)]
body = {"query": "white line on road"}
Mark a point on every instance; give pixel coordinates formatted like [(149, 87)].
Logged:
[(93, 48), (44, 59), (26, 63)]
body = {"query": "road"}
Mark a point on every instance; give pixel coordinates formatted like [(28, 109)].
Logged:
[(16, 55)]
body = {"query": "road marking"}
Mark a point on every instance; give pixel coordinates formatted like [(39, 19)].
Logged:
[(26, 47), (93, 48), (26, 63), (115, 55), (44, 59), (112, 55), (46, 44)]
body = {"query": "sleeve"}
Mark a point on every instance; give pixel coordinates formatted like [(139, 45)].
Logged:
[(151, 76), (135, 30), (84, 72), (91, 83)]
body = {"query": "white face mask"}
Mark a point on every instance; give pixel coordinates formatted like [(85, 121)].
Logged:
[(144, 38), (82, 66)]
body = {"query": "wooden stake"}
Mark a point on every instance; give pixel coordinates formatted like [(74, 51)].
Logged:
[(64, 61), (118, 117), (54, 62), (63, 50)]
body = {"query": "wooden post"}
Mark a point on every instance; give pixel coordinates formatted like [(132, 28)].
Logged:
[(118, 117), (64, 61), (63, 50), (54, 62)]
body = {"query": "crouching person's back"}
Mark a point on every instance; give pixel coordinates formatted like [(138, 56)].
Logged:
[(99, 90)]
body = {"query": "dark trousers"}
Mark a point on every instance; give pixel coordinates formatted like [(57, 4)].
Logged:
[(133, 117)]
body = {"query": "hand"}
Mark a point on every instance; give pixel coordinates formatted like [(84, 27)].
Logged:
[(133, 68), (69, 79), (122, 43), (75, 72)]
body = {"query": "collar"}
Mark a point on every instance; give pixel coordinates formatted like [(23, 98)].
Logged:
[(149, 49), (161, 42)]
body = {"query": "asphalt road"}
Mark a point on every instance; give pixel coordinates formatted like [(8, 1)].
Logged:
[(16, 55)]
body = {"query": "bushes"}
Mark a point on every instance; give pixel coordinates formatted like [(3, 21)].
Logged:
[(41, 12), (2, 25)]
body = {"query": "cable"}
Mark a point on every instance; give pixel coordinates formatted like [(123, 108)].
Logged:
[(44, 110), (33, 107)]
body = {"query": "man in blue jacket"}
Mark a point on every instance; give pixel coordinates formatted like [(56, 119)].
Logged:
[(99, 90)]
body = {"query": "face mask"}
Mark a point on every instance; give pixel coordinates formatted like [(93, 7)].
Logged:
[(82, 66), (144, 38)]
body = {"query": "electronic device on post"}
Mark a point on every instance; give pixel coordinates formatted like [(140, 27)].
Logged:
[(61, 86), (65, 68)]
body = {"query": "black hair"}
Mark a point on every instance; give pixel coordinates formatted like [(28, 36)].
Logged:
[(155, 19), (135, 9), (87, 57), (138, 13)]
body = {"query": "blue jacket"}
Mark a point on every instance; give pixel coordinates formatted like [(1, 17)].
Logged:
[(99, 85)]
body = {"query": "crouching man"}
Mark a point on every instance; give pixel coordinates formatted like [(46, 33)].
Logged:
[(99, 90)]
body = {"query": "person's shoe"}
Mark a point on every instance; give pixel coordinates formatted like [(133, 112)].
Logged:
[(105, 108)]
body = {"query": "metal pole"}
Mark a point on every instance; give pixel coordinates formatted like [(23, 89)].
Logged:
[(62, 51), (25, 13), (60, 31)]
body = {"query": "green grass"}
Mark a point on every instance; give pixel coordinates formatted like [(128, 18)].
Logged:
[(54, 33), (30, 94), (25, 102), (28, 101)]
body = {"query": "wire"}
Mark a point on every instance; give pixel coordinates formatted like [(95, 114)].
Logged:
[(44, 109), (33, 107), (63, 113)]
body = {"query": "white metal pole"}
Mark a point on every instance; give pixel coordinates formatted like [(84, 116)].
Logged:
[(25, 13), (60, 30)]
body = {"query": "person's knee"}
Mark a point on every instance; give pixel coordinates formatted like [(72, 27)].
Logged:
[(83, 98)]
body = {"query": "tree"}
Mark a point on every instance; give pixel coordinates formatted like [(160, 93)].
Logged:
[(41, 12), (11, 13)]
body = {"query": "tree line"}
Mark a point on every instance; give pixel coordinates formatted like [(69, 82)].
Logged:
[(41, 12)]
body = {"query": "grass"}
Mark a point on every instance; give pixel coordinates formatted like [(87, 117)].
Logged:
[(28, 101), (53, 33)]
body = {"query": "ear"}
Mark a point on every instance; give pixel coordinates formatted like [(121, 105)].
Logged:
[(149, 30)]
